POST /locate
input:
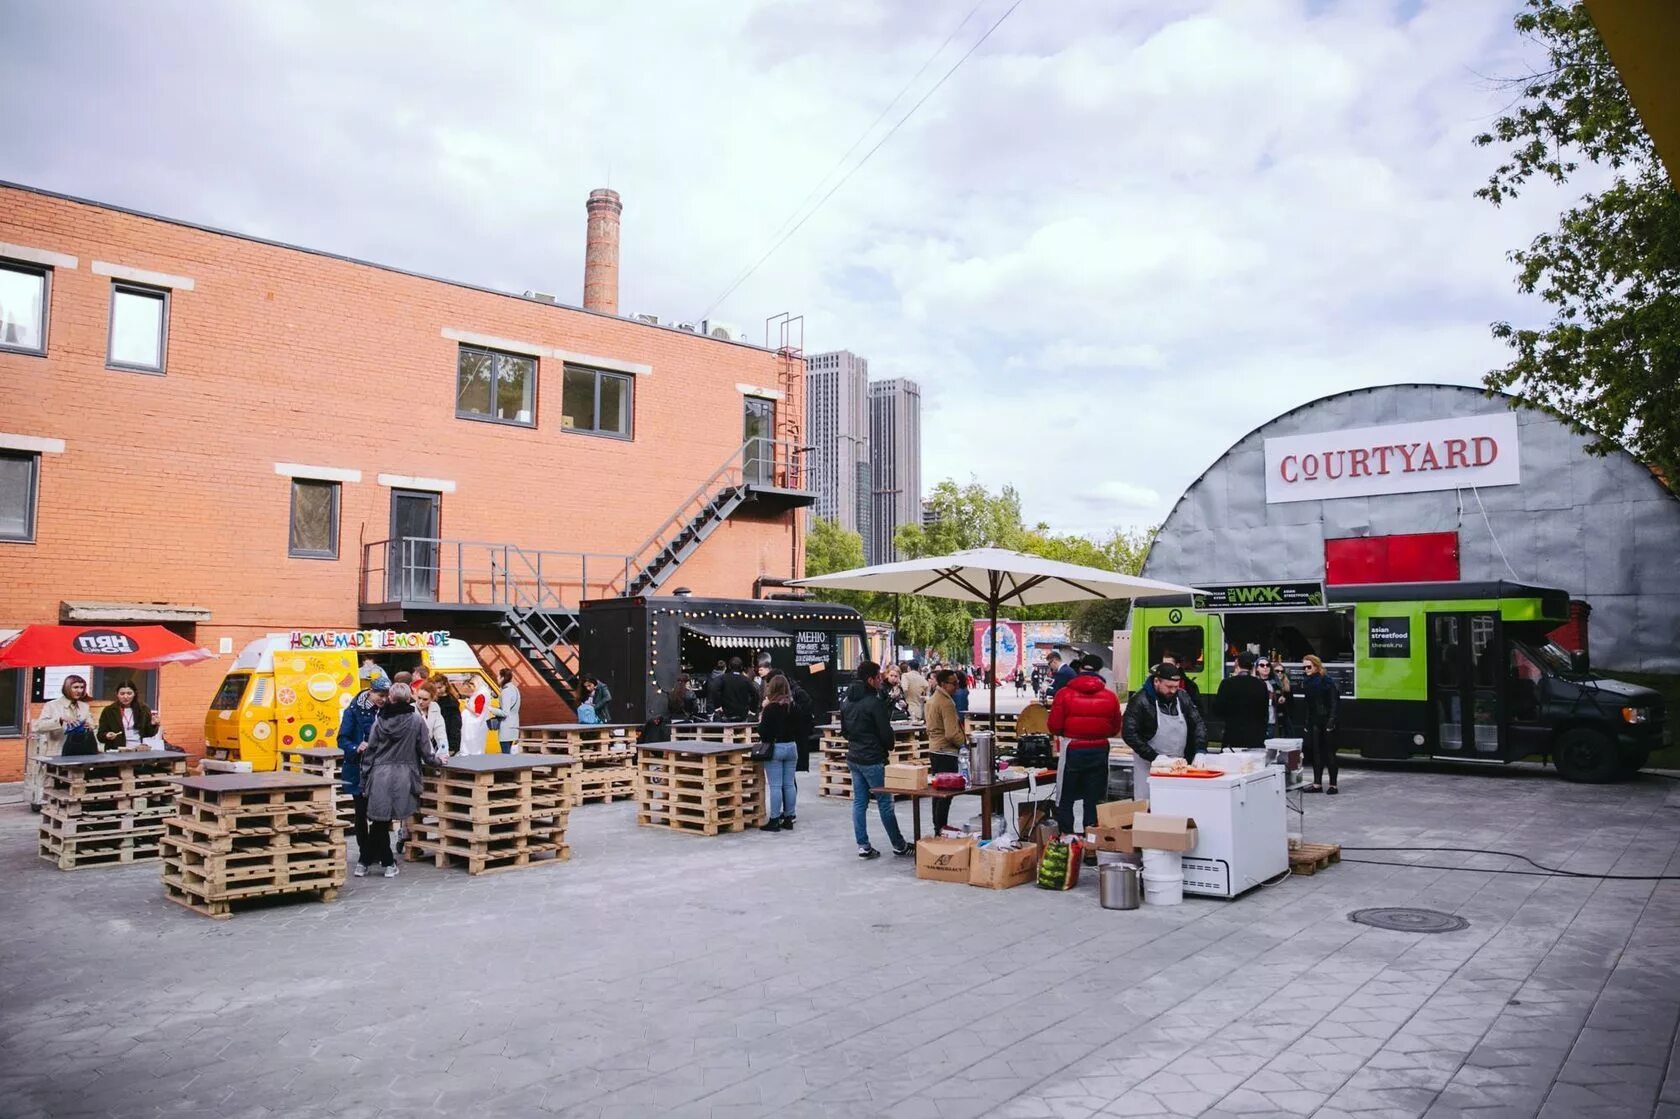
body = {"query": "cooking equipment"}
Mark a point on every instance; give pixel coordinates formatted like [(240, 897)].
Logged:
[(1119, 886)]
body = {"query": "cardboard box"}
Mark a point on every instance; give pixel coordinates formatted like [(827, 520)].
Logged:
[(944, 860), (997, 869), (1104, 838), (1030, 813), (1163, 833), (1118, 813), (910, 778)]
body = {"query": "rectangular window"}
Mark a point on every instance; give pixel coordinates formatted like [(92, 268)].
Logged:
[(139, 328), (598, 402), (23, 307), (232, 690), (12, 692), (19, 476), (314, 532), (494, 386), (103, 687)]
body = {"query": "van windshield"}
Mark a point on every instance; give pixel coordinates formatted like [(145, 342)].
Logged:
[(227, 696)]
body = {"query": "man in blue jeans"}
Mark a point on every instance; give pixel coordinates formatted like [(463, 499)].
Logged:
[(866, 720)]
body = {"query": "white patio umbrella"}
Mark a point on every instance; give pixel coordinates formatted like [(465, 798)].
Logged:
[(994, 577)]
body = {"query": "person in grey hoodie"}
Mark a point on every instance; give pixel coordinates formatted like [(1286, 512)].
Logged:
[(866, 721), (396, 749)]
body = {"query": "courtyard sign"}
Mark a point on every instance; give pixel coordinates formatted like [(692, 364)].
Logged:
[(1394, 458)]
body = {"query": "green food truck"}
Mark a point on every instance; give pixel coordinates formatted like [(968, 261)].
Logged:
[(1461, 671)]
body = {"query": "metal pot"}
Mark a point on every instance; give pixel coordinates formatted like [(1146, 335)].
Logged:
[(982, 764), (1119, 886)]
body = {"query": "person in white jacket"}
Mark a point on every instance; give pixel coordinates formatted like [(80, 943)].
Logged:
[(476, 714), (425, 703), (68, 712)]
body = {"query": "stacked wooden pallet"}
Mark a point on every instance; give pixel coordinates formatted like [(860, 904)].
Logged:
[(606, 754), (721, 733), (1310, 858), (495, 812), (237, 837), (321, 761), (107, 809), (834, 776), (699, 787)]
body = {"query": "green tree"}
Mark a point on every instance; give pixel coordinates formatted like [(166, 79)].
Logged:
[(1609, 360), (830, 548)]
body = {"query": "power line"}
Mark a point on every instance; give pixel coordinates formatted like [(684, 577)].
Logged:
[(856, 144), (866, 156)]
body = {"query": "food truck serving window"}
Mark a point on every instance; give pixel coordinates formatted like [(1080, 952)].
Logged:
[(848, 651), (1183, 641), (227, 696)]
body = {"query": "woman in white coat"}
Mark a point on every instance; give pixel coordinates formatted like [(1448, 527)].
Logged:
[(476, 714), (66, 717), (425, 702)]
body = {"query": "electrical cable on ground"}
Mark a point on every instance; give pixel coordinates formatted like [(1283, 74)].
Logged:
[(859, 164), (1540, 871)]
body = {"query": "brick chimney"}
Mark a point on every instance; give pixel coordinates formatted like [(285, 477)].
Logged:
[(600, 254)]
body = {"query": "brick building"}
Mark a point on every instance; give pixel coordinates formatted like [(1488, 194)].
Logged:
[(225, 434)]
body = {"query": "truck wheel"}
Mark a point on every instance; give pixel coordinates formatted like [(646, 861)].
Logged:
[(1585, 755)]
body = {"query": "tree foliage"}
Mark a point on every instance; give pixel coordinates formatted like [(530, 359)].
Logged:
[(1609, 360), (830, 548)]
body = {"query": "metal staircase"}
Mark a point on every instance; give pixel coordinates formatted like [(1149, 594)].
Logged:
[(532, 595)]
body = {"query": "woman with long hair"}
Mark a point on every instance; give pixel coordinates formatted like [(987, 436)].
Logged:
[(125, 722), (780, 727), (1320, 697), (65, 726), (448, 702)]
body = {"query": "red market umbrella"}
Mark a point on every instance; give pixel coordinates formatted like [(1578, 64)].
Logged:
[(100, 646)]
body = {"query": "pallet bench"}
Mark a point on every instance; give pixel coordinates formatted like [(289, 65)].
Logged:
[(107, 809), (703, 788), (240, 837), (1310, 858)]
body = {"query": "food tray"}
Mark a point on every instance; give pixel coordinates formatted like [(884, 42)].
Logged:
[(1190, 773)]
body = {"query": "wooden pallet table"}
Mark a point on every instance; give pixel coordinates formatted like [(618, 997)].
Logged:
[(238, 837), (1310, 858), (704, 788), (321, 761), (910, 747), (736, 734), (107, 809), (606, 755), (495, 812)]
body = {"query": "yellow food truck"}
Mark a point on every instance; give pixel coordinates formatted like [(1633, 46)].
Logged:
[(290, 689)]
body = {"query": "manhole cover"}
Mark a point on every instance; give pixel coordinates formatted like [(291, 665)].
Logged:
[(1409, 920)]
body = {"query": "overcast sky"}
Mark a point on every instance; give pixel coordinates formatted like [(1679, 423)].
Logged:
[(1123, 233)]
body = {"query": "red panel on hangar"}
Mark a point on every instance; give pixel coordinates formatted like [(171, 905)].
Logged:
[(1417, 557)]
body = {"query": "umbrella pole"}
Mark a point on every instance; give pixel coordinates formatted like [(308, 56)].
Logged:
[(993, 674)]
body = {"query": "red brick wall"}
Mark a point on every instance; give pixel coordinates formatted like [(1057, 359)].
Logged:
[(167, 491)]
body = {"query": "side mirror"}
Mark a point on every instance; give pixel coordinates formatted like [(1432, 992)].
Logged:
[(1580, 662)]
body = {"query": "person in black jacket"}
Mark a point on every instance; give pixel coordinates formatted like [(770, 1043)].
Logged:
[(781, 725), (1321, 696), (1161, 721), (714, 690), (739, 697), (866, 721), (1243, 702)]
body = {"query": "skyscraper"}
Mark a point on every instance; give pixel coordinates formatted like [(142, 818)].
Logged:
[(895, 443), (837, 429)]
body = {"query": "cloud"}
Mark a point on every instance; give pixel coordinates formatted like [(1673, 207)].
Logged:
[(1119, 237)]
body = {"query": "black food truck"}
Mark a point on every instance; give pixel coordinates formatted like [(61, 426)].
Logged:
[(639, 645), (1465, 670)]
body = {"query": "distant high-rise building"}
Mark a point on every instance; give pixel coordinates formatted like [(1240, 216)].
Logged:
[(837, 430), (895, 444)]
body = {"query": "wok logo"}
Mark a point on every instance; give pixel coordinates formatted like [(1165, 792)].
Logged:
[(105, 643), (1255, 596)]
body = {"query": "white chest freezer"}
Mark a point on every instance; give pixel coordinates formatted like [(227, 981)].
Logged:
[(1241, 828)]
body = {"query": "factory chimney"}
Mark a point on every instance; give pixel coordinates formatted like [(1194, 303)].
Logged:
[(600, 254)]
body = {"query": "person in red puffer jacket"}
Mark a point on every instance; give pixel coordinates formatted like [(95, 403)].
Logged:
[(1085, 714)]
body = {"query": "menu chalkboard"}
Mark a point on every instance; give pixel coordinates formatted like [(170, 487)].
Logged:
[(812, 647)]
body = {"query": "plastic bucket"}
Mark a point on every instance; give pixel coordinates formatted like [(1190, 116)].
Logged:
[(1163, 877)]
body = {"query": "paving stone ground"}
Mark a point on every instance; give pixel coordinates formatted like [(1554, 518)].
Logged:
[(749, 975)]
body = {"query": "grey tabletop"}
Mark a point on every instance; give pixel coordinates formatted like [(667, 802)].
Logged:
[(116, 757), (580, 726), (254, 782), (312, 751), (706, 748), (499, 763)]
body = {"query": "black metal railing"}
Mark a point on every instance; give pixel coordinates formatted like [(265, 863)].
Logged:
[(479, 573)]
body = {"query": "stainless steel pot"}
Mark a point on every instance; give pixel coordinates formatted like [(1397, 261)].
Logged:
[(982, 762), (1119, 886)]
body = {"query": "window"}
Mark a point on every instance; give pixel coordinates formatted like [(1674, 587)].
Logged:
[(139, 328), (597, 402), (102, 688), (23, 307), (314, 532), (232, 689), (1184, 642), (498, 387), (12, 691), (19, 475)]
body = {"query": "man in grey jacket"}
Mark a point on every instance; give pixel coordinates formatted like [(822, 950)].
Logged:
[(866, 721)]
